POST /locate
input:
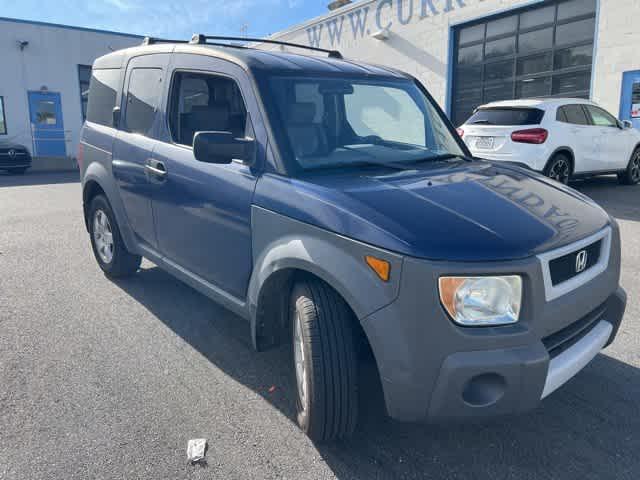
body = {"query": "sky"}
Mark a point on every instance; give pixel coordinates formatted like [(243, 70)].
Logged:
[(176, 19)]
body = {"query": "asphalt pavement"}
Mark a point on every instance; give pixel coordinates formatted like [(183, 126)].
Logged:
[(109, 380)]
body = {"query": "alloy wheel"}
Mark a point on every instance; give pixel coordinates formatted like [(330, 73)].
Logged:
[(103, 236), (299, 358), (635, 168), (559, 171)]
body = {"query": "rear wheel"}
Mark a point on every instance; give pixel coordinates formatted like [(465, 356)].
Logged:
[(631, 176), (559, 168), (109, 249), (325, 361)]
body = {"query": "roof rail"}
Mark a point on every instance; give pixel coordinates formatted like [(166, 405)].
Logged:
[(200, 39), (154, 40)]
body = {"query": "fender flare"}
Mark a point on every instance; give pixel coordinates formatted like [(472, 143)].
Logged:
[(97, 173), (338, 261), (558, 150)]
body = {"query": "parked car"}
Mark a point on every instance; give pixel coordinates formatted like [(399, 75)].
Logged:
[(14, 158), (562, 138), (332, 205)]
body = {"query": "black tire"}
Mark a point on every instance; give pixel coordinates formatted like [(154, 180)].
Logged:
[(18, 171), (330, 410), (559, 168), (631, 176), (122, 263)]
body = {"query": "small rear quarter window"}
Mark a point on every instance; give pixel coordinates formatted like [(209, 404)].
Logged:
[(506, 116), (103, 91)]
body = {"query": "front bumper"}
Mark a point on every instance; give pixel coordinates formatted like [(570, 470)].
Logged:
[(434, 370)]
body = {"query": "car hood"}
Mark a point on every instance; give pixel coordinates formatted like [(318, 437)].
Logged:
[(456, 211)]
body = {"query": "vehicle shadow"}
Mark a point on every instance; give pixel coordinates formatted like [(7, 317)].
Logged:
[(621, 201), (38, 178), (588, 429)]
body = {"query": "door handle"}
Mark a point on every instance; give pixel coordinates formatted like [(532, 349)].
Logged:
[(156, 168)]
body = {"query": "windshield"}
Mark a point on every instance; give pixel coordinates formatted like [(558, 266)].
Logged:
[(341, 122)]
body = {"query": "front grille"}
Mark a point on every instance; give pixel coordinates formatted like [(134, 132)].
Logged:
[(5, 152), (565, 268), (564, 339)]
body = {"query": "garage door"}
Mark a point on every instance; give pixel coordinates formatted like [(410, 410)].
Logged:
[(540, 51)]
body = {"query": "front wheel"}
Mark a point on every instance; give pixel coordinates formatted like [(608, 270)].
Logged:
[(325, 361), (559, 169), (631, 176), (108, 247)]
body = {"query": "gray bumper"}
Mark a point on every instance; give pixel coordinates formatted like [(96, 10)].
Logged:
[(434, 370)]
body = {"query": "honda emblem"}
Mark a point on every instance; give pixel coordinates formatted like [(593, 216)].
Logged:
[(581, 261)]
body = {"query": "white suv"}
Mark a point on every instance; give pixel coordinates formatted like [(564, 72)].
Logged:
[(561, 137)]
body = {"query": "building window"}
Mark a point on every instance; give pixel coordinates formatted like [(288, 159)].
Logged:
[(3, 119), (538, 51), (84, 78)]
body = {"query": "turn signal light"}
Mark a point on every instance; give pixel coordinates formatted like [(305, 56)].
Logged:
[(381, 267), (532, 135)]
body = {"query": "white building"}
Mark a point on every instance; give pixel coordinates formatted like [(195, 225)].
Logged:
[(469, 52), (45, 71)]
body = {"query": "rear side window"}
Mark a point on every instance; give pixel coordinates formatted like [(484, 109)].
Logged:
[(103, 91), (506, 116), (143, 97), (572, 114)]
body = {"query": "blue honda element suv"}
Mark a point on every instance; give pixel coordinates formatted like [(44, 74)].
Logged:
[(332, 205)]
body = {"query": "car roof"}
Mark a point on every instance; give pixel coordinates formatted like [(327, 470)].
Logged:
[(254, 59), (541, 103)]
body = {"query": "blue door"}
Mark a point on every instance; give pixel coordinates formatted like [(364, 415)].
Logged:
[(47, 126), (630, 98)]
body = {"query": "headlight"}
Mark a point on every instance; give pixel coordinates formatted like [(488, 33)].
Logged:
[(482, 301)]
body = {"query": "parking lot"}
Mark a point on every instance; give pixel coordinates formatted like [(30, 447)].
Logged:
[(103, 379)]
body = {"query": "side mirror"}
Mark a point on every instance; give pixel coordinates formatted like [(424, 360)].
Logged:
[(222, 147), (627, 124), (115, 117)]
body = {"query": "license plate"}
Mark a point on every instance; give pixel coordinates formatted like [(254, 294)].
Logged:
[(484, 143)]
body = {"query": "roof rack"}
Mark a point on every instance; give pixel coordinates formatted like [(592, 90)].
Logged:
[(154, 40), (200, 39)]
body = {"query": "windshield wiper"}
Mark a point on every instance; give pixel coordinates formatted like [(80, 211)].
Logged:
[(437, 158), (395, 166), (481, 122)]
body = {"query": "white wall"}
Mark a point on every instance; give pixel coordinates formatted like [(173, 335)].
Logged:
[(421, 47), (51, 59), (617, 50)]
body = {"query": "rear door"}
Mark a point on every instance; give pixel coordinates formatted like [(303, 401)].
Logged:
[(578, 136), (488, 131), (135, 141)]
